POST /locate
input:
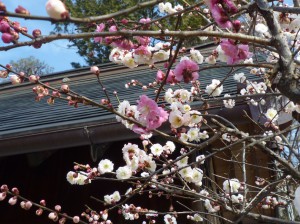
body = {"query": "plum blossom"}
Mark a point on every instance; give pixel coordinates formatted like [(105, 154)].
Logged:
[(210, 207), (123, 173), (105, 166), (214, 89), (170, 219), (230, 103), (56, 9), (99, 29), (196, 56), (151, 115), (156, 149), (186, 70), (231, 186), (239, 77), (235, 52), (113, 198), (272, 114), (220, 13)]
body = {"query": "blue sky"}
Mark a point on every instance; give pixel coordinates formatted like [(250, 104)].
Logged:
[(55, 54)]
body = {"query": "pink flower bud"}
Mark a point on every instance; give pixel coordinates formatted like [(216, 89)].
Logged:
[(76, 219), (34, 78), (39, 212), (57, 208), (37, 44), (65, 88), (95, 70), (15, 79), (4, 26), (28, 205), (2, 7), (36, 33), (2, 196), (15, 191), (4, 188), (56, 9), (3, 74), (7, 38), (22, 10), (12, 200), (124, 21), (52, 216)]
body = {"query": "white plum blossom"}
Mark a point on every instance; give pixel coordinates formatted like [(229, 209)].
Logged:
[(231, 186), (170, 219), (200, 158), (203, 135), (128, 60), (105, 166), (161, 55), (113, 198), (116, 55), (215, 88), (196, 56), (176, 119), (211, 60), (230, 103), (237, 198), (193, 134), (239, 77), (197, 176), (187, 174), (261, 29), (196, 218), (156, 149), (127, 110), (77, 178), (290, 107), (182, 162), (184, 137), (123, 173), (211, 208), (170, 146), (272, 114)]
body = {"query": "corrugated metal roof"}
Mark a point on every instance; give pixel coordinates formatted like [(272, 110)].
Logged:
[(21, 115)]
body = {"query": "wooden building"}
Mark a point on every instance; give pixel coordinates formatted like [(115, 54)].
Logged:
[(39, 143)]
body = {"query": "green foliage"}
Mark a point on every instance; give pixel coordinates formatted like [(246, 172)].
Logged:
[(95, 53), (31, 66)]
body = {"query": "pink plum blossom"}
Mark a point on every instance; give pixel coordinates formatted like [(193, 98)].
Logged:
[(99, 29), (151, 115), (235, 52), (186, 70), (220, 10)]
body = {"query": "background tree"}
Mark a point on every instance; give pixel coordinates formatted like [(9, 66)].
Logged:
[(95, 53), (31, 66)]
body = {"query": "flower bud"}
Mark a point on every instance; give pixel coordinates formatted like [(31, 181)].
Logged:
[(95, 70), (36, 33), (12, 200), (76, 219), (22, 10), (15, 79), (7, 38)]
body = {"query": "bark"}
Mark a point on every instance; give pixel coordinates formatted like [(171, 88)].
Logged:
[(288, 83)]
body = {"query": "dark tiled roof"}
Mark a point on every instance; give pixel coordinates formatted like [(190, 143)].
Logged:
[(21, 116)]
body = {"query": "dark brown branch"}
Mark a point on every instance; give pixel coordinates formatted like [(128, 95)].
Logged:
[(289, 80), (87, 19), (126, 33)]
